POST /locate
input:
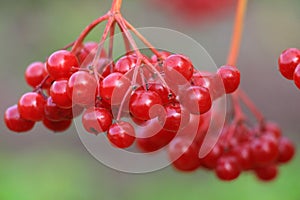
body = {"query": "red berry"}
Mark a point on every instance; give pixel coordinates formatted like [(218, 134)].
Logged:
[(31, 106), (82, 88), (297, 75), (264, 151), (61, 64), (175, 117), (244, 156), (113, 88), (228, 168), (210, 160), (53, 112), (125, 64), (163, 55), (89, 51), (14, 122), (57, 126), (287, 61), (267, 173), (273, 128), (96, 120), (230, 76), (58, 92), (178, 69), (121, 134), (197, 100), (162, 92), (286, 150), (145, 105), (35, 73), (184, 154), (149, 141)]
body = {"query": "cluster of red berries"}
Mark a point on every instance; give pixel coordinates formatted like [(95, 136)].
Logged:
[(289, 65), (63, 90), (241, 148), (155, 101)]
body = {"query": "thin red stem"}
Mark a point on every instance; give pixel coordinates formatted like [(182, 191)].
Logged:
[(256, 112), (142, 38), (86, 31), (237, 32)]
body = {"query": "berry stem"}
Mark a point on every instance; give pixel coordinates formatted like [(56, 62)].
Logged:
[(244, 97), (237, 32), (142, 38), (111, 40), (86, 31), (116, 6)]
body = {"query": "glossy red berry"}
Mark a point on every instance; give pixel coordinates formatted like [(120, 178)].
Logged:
[(96, 120), (296, 76), (175, 117), (14, 122), (145, 105), (149, 141), (272, 128), (266, 173), (184, 154), (35, 74), (244, 156), (264, 151), (286, 150), (114, 87), (61, 64), (82, 88), (230, 76), (55, 113), (178, 69), (162, 91), (210, 160), (228, 168), (121, 134), (31, 106), (287, 61), (58, 92), (125, 64), (57, 126), (196, 100)]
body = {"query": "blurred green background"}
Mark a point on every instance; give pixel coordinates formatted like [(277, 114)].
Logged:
[(42, 165)]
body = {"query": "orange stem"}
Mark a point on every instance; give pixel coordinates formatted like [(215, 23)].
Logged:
[(237, 32)]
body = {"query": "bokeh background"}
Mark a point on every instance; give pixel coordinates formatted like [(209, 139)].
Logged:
[(42, 165)]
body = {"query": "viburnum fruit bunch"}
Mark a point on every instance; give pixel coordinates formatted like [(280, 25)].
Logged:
[(289, 65), (157, 100)]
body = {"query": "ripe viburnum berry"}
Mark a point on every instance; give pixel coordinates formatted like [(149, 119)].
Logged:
[(287, 61), (96, 120), (121, 134), (81, 88), (184, 154), (178, 69), (296, 75), (145, 105), (14, 121), (35, 73), (61, 64), (31, 106), (230, 76)]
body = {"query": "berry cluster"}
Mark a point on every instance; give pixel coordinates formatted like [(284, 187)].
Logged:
[(289, 65), (156, 100), (63, 90), (241, 148)]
